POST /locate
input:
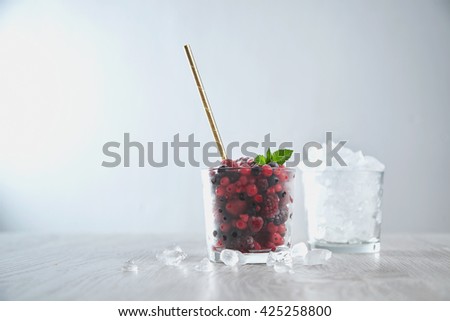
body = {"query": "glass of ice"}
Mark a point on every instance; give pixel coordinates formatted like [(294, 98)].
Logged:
[(344, 209), (248, 210)]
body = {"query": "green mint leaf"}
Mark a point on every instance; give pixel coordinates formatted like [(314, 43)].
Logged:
[(260, 160), (282, 155), (268, 156), (276, 158)]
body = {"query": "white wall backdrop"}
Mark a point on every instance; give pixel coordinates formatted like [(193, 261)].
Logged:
[(77, 74)]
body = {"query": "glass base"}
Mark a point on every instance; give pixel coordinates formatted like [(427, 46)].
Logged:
[(373, 247), (247, 258)]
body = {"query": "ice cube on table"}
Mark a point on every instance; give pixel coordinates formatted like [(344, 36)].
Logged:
[(204, 265), (229, 257), (129, 266), (171, 256), (317, 257), (279, 257), (299, 250)]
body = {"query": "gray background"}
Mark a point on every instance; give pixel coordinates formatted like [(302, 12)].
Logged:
[(75, 75)]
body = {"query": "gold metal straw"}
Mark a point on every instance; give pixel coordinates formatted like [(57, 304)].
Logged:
[(201, 91)]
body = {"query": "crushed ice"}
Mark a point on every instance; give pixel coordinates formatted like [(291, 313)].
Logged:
[(129, 266), (171, 256), (344, 202), (281, 261), (353, 159), (230, 257), (299, 250), (204, 266), (317, 257)]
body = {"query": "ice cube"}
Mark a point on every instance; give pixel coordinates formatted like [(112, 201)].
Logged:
[(229, 257), (204, 266), (171, 256), (129, 266), (299, 250), (279, 257), (317, 256), (356, 159), (281, 267)]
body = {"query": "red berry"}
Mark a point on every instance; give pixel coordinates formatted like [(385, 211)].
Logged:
[(258, 198), (282, 229), (271, 246), (277, 171), (251, 190), (278, 188), (283, 176), (220, 191), (258, 208), (257, 246), (240, 224), (245, 171), (270, 206), (238, 189), (230, 188), (243, 180), (277, 239), (218, 245), (227, 162), (266, 170), (224, 181), (270, 190), (256, 224), (225, 227), (272, 228), (244, 217), (235, 207)]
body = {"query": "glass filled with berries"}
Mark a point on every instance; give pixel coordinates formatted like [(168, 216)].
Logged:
[(249, 206)]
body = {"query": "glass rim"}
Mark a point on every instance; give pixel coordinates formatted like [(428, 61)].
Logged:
[(340, 170), (289, 169)]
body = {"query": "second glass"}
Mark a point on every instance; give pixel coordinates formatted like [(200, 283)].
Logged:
[(344, 209)]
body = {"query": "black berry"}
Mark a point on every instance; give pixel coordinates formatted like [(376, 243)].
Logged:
[(233, 176), (256, 170), (273, 180)]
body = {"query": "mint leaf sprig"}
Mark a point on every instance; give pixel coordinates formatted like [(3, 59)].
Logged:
[(280, 157)]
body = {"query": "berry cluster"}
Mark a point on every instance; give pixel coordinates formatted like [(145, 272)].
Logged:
[(251, 205)]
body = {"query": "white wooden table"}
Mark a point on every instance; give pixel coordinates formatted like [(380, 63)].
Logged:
[(88, 267)]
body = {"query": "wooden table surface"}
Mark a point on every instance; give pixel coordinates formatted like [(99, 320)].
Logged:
[(88, 267)]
